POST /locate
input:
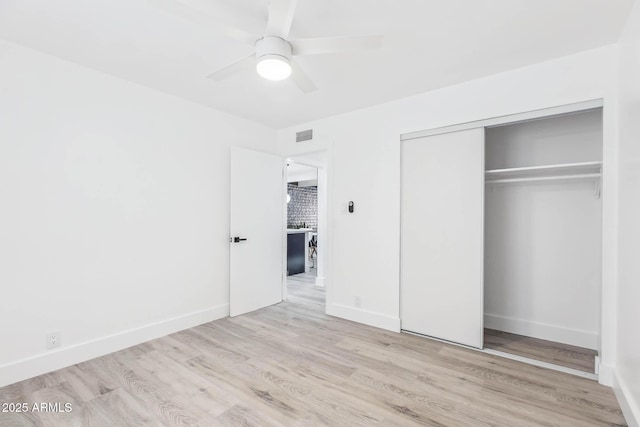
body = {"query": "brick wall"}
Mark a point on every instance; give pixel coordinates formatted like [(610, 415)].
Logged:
[(303, 207)]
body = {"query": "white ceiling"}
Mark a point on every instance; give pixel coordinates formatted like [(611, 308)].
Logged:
[(427, 44), (297, 172)]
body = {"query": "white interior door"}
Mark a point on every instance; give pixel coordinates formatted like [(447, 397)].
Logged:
[(442, 236), (257, 190)]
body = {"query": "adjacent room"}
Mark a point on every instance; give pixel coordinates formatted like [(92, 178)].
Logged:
[(302, 234), (331, 213)]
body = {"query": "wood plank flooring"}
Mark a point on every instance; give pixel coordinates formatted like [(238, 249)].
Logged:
[(291, 365), (582, 359), (305, 291), (309, 277)]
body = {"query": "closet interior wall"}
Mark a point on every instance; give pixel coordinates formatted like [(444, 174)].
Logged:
[(543, 238)]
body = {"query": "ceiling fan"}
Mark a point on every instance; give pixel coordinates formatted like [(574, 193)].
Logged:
[(274, 51)]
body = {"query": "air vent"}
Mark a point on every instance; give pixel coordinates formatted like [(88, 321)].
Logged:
[(305, 135)]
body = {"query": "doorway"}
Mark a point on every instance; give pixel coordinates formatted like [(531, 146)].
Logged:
[(305, 230), (543, 239)]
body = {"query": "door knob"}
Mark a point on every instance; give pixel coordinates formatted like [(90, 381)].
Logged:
[(238, 240)]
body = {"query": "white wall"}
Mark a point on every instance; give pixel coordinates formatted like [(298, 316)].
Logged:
[(571, 138), (115, 211), (542, 261), (365, 167), (543, 239), (629, 218)]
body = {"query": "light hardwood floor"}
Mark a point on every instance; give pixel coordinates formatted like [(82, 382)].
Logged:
[(308, 277), (581, 359), (292, 365), (301, 289)]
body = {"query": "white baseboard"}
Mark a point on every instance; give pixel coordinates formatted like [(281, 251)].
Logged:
[(66, 356), (586, 339), (359, 315), (630, 407), (320, 281)]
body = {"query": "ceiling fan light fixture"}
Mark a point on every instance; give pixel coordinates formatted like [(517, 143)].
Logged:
[(273, 58), (273, 67)]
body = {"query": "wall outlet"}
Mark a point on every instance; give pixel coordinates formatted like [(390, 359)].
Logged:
[(357, 301), (53, 340)]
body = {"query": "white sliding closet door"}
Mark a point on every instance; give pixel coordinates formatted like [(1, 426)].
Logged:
[(442, 236)]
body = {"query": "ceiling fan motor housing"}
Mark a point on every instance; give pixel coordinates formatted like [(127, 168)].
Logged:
[(273, 46)]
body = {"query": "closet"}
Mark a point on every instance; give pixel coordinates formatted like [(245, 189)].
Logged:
[(501, 229)]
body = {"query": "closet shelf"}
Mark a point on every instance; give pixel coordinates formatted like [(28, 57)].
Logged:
[(584, 170)]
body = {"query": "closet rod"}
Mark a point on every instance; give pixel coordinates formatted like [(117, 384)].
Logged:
[(543, 178)]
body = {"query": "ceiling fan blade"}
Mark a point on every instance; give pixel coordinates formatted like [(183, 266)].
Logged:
[(325, 45), (176, 8), (281, 17), (301, 79), (235, 68)]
